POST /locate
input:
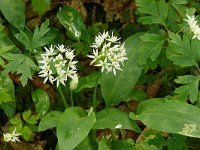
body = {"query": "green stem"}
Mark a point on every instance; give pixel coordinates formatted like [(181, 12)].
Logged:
[(72, 103), (95, 98), (60, 91), (5, 145)]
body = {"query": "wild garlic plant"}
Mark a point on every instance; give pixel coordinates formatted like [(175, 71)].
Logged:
[(108, 52), (58, 65)]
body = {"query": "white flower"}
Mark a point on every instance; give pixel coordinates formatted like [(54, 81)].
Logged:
[(13, 137), (108, 53), (57, 64), (192, 22)]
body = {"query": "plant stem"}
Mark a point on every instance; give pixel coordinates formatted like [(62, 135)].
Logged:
[(5, 145), (60, 91), (72, 103), (94, 98)]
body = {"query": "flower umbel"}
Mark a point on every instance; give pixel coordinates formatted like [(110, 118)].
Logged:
[(192, 22), (108, 52), (57, 64), (13, 137)]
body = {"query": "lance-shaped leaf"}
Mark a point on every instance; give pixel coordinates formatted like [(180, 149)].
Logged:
[(170, 116), (73, 127), (14, 12), (116, 88)]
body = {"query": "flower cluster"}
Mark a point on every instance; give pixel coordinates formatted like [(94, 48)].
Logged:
[(108, 52), (13, 137), (193, 26), (57, 64)]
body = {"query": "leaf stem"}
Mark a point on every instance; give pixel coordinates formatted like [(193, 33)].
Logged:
[(94, 101), (72, 103), (60, 91), (5, 143)]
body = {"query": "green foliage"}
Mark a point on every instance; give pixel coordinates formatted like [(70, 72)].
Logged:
[(37, 39), (111, 86), (20, 64), (72, 21), (14, 12), (41, 6), (41, 101), (190, 88), (112, 118), (184, 52), (150, 47), (176, 117), (73, 126)]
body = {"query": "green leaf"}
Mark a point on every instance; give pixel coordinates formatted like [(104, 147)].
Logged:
[(26, 115), (87, 81), (150, 47), (183, 52), (33, 119), (26, 133), (41, 101), (37, 39), (112, 118), (41, 6), (21, 64), (4, 51), (111, 86), (15, 121), (49, 121), (127, 144), (103, 145), (170, 116), (72, 21), (14, 12), (177, 142), (74, 125), (189, 89), (4, 96), (88, 143)]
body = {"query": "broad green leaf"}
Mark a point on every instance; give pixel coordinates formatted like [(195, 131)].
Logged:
[(189, 89), (41, 100), (115, 88), (41, 6), (14, 12), (177, 142), (73, 127), (150, 47), (103, 145), (114, 119), (88, 81), (127, 144), (72, 21), (21, 64), (183, 52), (49, 121), (88, 143), (170, 116)]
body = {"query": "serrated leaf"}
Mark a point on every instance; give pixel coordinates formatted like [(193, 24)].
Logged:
[(41, 6), (112, 118), (41, 100), (33, 119), (26, 115), (111, 86), (183, 52), (26, 133), (14, 12), (190, 89), (4, 96), (49, 121), (15, 121), (171, 116), (150, 47), (74, 125), (72, 21), (21, 64)]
